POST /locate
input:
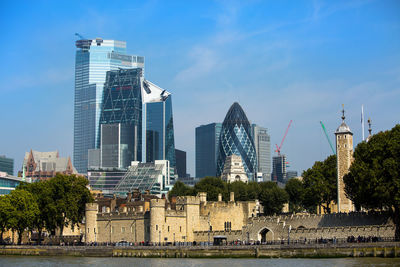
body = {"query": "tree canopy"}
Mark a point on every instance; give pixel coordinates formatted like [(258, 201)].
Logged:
[(320, 184), (373, 181), (51, 204), (295, 190)]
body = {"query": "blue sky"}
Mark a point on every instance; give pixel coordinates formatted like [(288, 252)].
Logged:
[(281, 60)]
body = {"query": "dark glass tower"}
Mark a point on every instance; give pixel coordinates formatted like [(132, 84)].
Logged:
[(236, 138), (159, 124), (121, 118), (207, 144)]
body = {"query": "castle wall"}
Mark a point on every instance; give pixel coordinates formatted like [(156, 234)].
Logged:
[(115, 227)]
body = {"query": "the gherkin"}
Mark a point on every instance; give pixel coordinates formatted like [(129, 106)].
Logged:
[(236, 138)]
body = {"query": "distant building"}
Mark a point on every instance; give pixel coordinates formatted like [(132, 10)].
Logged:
[(45, 165), (279, 169), (156, 177), (207, 143), (291, 174), (189, 181), (7, 165), (105, 180), (233, 170), (180, 156), (158, 124), (262, 143), (236, 138), (94, 57), (120, 139), (8, 183)]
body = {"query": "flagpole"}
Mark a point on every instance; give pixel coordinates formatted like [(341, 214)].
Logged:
[(362, 122)]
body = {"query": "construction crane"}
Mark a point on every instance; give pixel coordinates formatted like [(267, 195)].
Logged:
[(278, 149), (80, 36), (326, 134)]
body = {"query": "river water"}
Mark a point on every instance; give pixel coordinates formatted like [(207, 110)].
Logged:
[(155, 262)]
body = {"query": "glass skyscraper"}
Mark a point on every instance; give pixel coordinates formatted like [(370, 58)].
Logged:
[(121, 119), (262, 143), (236, 138), (207, 144), (93, 59), (159, 143)]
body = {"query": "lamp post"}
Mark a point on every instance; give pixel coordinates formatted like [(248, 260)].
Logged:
[(288, 238)]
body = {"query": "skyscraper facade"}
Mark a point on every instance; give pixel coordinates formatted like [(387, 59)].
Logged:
[(121, 118), (207, 144), (93, 59), (262, 143), (279, 169), (7, 165), (236, 138), (180, 157), (159, 143)]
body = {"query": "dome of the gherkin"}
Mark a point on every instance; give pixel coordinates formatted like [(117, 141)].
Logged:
[(236, 138)]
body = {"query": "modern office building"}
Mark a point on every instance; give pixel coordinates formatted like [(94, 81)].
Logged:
[(291, 174), (121, 119), (45, 165), (262, 143), (279, 169), (7, 165), (207, 144), (8, 183), (236, 138), (93, 59), (156, 177), (180, 156), (105, 180), (159, 143)]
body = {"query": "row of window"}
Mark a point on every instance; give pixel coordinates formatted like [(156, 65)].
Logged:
[(180, 228)]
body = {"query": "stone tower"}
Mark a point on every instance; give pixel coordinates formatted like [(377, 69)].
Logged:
[(157, 220), (91, 229), (344, 153)]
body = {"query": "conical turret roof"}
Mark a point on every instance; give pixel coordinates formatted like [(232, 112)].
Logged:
[(236, 115)]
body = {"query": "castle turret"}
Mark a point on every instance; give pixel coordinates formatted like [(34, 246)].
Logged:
[(157, 220), (91, 229), (344, 153)]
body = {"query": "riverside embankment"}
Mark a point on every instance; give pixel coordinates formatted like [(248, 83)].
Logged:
[(270, 251)]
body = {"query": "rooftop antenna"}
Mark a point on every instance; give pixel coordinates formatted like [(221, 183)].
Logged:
[(369, 126), (362, 122), (80, 36)]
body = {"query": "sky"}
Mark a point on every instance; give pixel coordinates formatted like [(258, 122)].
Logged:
[(281, 60)]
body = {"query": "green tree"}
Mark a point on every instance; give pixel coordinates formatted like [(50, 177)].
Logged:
[(295, 190), (320, 184), (212, 185), (5, 212), (373, 181), (180, 189), (42, 193), (24, 212), (240, 189), (69, 194), (272, 198)]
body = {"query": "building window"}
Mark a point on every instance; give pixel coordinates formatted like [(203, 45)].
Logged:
[(180, 228), (168, 228), (112, 229), (156, 227), (165, 219), (88, 230), (122, 229)]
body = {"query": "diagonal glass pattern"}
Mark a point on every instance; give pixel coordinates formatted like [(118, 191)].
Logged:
[(236, 138)]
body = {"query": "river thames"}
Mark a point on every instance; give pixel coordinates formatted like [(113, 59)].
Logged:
[(155, 262)]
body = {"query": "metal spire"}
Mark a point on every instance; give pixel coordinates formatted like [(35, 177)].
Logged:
[(343, 117), (369, 125)]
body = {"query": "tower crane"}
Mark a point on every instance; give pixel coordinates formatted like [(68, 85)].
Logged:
[(326, 134), (80, 36), (278, 149)]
